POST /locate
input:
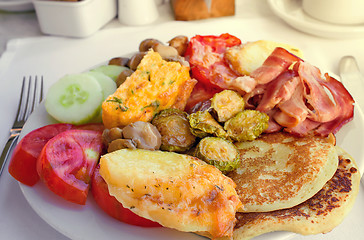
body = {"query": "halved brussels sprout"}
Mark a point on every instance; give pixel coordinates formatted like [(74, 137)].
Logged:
[(203, 124), (246, 125), (218, 152), (226, 104), (175, 130)]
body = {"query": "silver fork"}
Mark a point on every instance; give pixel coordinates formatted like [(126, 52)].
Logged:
[(30, 97)]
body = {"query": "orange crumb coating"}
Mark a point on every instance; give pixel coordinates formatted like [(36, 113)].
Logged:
[(154, 86)]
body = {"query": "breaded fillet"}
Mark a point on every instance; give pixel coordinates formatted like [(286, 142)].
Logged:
[(320, 214), (280, 170), (154, 86), (178, 191)]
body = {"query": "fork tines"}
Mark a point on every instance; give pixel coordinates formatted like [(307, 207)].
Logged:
[(30, 102)]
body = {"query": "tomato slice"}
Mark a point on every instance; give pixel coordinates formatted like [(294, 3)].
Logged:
[(112, 206), (91, 126), (22, 164), (200, 93), (206, 57), (67, 161)]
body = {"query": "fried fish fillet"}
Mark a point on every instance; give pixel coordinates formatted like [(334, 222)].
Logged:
[(178, 191), (280, 170), (319, 214)]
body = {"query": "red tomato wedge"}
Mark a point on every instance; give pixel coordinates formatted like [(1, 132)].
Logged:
[(67, 161), (112, 206), (91, 126), (199, 94), (206, 57), (22, 164)]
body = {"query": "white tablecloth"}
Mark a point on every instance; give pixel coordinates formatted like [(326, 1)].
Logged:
[(54, 57)]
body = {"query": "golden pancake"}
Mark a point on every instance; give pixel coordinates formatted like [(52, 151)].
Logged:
[(320, 214), (280, 171)]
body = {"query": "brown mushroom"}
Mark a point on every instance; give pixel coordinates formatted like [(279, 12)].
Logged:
[(147, 44), (135, 60), (165, 51), (110, 135), (180, 43), (143, 134), (119, 61), (123, 76), (179, 59), (120, 144)]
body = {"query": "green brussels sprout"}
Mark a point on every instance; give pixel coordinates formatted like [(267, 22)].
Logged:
[(203, 125), (226, 104), (175, 130), (246, 125), (218, 152)]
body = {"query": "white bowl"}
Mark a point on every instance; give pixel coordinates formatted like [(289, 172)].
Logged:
[(74, 19)]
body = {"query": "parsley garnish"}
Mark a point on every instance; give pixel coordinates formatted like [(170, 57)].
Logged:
[(120, 106), (154, 104)]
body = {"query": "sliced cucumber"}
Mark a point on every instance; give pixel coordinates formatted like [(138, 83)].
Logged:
[(108, 86), (112, 71), (75, 98)]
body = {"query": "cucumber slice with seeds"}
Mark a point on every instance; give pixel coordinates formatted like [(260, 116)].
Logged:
[(108, 87), (112, 71), (75, 98)]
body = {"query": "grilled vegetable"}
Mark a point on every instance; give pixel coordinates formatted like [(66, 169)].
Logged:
[(218, 152), (226, 104), (175, 130), (203, 124), (246, 125)]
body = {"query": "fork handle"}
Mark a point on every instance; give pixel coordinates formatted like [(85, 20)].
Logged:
[(7, 150)]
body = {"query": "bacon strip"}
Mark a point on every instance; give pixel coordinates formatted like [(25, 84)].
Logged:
[(299, 100), (323, 108), (279, 90), (279, 61), (344, 102)]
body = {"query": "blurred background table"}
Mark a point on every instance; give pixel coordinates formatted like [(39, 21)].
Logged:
[(25, 24)]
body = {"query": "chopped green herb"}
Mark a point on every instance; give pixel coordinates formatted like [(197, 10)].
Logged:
[(154, 104), (119, 101)]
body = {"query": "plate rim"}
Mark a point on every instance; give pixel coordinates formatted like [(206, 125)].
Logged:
[(313, 26)]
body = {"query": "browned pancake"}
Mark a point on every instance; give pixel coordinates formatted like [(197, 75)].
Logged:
[(319, 214), (280, 171)]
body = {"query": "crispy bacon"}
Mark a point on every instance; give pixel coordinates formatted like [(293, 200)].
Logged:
[(344, 102), (300, 99), (323, 108), (278, 62), (279, 90)]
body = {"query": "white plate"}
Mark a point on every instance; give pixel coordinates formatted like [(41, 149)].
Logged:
[(291, 12), (91, 223), (16, 5)]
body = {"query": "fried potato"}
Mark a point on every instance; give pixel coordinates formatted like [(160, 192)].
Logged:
[(178, 191), (247, 57), (154, 86)]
